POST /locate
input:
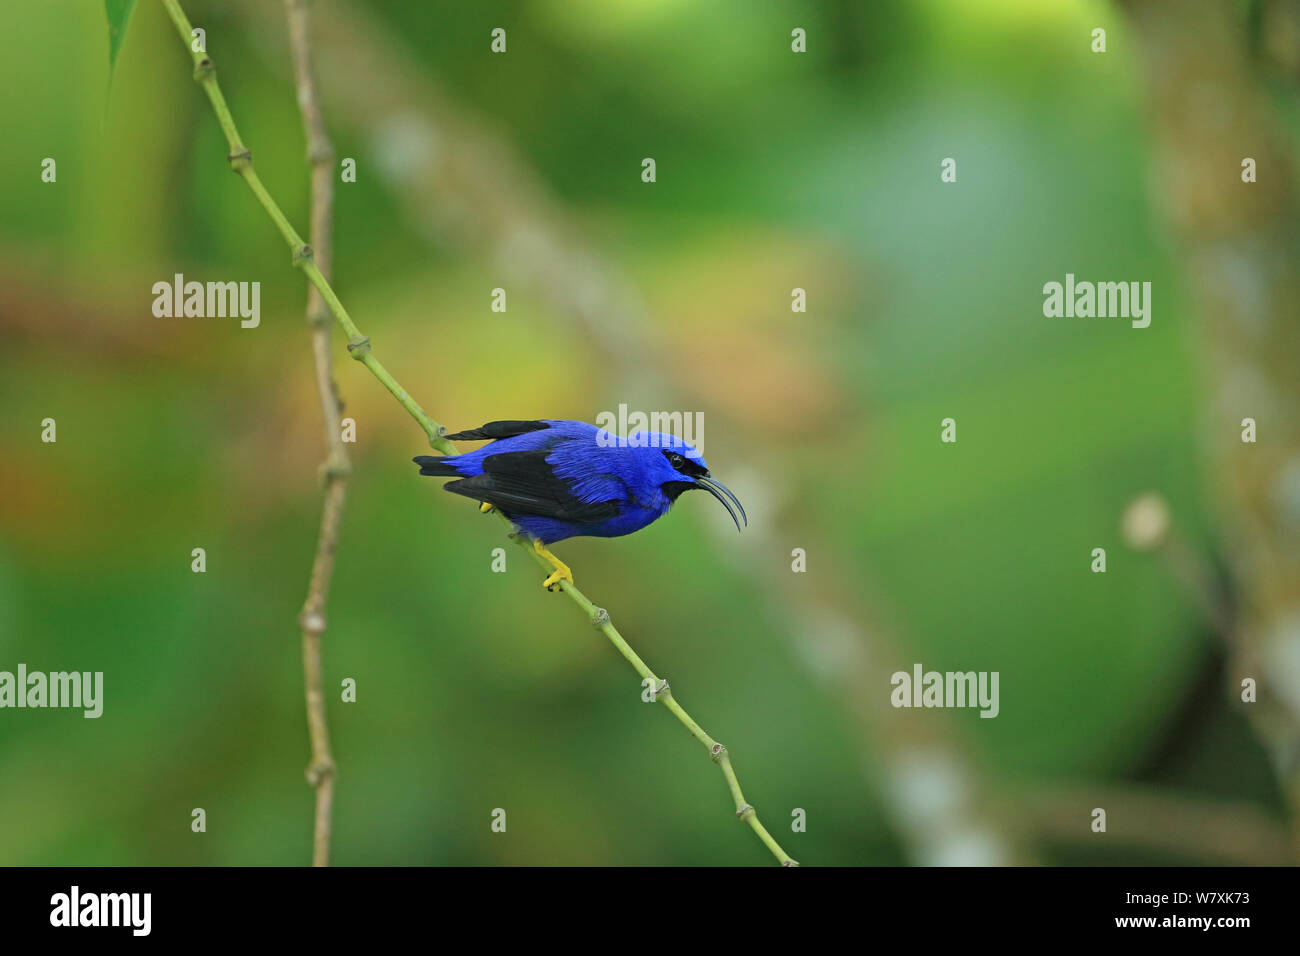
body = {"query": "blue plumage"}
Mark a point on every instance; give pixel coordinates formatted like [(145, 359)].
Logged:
[(560, 479)]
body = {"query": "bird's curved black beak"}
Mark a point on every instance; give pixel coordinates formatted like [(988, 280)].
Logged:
[(718, 489)]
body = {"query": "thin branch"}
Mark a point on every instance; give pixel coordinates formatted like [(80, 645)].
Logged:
[(359, 347), (599, 618), (241, 161), (320, 156)]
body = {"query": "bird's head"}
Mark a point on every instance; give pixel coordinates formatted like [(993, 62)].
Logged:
[(678, 467)]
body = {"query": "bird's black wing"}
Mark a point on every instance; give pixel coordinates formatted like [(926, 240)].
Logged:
[(498, 430), (523, 482)]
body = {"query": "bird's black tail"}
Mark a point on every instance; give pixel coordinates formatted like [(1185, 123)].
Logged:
[(438, 467)]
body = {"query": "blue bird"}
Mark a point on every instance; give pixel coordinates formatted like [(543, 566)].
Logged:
[(558, 479)]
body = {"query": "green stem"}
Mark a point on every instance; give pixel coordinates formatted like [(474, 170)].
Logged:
[(241, 161), (599, 618)]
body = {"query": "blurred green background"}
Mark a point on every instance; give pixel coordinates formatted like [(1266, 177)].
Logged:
[(479, 690)]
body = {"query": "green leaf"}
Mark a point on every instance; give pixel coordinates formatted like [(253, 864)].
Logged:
[(119, 13)]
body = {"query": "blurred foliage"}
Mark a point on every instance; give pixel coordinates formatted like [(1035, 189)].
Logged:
[(119, 15), (479, 690)]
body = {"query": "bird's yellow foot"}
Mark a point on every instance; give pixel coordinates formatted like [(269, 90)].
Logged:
[(561, 573), (484, 507)]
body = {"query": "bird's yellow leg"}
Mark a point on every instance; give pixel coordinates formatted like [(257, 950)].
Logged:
[(561, 573), (484, 507)]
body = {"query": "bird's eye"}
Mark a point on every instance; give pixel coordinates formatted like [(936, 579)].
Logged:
[(684, 465)]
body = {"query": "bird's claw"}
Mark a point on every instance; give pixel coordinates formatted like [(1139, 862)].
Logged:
[(484, 507), (561, 572), (552, 583)]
